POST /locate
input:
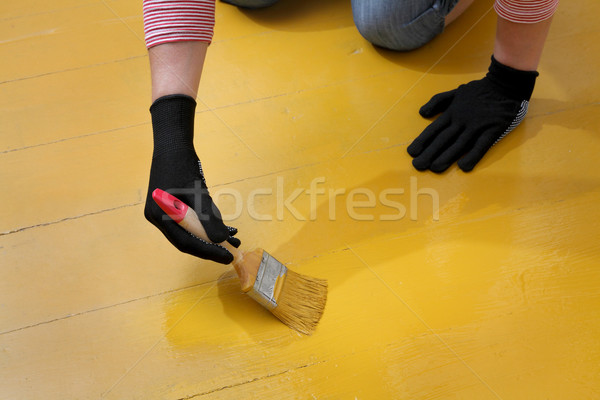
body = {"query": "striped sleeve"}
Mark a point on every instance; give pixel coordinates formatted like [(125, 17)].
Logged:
[(526, 11), (167, 21)]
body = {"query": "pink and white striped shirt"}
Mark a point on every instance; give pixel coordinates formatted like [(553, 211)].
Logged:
[(526, 11), (168, 21), (178, 20)]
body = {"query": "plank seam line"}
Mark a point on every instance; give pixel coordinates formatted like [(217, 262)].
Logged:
[(70, 218), (250, 381), (107, 307), (560, 110), (73, 69), (329, 85), (57, 10), (74, 137)]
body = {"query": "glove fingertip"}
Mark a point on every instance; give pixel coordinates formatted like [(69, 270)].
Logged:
[(226, 259), (413, 150), (416, 147), (466, 166), (438, 103), (235, 242), (232, 231), (438, 168), (216, 253), (478, 151), (469, 161), (426, 111), (420, 165)]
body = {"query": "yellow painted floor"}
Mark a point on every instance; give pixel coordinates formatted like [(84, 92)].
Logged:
[(456, 286)]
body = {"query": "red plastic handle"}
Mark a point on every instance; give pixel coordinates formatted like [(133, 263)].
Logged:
[(171, 205)]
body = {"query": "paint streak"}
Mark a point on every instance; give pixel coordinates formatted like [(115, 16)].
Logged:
[(33, 36)]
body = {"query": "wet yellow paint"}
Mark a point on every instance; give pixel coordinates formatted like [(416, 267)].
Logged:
[(467, 286)]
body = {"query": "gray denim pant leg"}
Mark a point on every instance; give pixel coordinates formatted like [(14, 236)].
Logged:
[(400, 24), (251, 3)]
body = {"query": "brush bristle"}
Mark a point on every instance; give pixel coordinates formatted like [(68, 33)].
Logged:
[(301, 302)]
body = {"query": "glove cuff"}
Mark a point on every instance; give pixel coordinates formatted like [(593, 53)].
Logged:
[(514, 83), (173, 123)]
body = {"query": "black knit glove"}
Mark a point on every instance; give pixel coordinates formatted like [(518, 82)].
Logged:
[(176, 169), (474, 117)]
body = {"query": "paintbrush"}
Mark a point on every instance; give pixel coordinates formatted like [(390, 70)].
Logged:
[(297, 300)]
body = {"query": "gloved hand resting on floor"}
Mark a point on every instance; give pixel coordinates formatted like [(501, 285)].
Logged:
[(475, 116)]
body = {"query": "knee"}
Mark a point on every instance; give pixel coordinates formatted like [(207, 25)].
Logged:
[(251, 3), (397, 25)]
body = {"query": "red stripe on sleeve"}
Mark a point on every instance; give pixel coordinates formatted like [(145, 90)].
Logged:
[(526, 11), (167, 21)]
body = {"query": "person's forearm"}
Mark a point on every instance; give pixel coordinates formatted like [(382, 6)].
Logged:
[(176, 68), (520, 45), (177, 34), (521, 31)]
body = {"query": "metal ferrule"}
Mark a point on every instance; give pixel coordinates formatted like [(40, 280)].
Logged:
[(263, 290)]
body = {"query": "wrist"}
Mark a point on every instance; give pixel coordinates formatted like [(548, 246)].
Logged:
[(173, 123), (513, 82), (520, 45)]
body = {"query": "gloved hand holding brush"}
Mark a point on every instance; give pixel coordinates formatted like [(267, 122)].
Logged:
[(176, 167)]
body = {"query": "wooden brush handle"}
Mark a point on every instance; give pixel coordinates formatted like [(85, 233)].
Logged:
[(246, 264), (192, 224)]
